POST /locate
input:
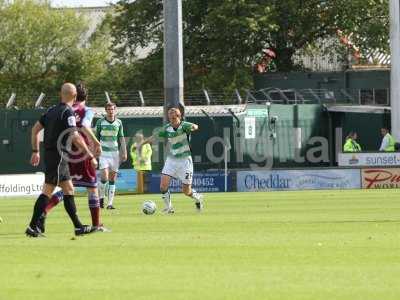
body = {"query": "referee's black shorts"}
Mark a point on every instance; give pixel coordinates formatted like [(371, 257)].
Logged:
[(56, 167)]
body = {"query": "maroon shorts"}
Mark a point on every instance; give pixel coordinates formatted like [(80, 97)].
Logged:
[(83, 174)]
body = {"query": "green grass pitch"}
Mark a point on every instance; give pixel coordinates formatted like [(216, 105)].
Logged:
[(278, 245)]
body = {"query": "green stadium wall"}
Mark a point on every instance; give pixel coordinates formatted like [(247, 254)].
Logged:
[(314, 121)]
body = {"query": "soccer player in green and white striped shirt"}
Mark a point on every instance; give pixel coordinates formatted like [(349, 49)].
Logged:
[(109, 132), (179, 163)]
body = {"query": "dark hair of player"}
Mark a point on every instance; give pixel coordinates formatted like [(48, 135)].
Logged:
[(110, 104), (180, 108), (81, 92)]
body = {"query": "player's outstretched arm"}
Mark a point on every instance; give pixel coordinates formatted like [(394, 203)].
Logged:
[(149, 140), (158, 134), (194, 127), (35, 158)]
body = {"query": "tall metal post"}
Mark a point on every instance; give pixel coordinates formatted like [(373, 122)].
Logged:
[(173, 54), (395, 67)]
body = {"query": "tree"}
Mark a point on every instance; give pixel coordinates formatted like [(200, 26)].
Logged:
[(33, 39), (213, 58), (41, 47), (91, 62), (223, 39), (304, 22)]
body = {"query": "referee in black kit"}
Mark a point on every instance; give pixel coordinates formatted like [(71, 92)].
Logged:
[(59, 128)]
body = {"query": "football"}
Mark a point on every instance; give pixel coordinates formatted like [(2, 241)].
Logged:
[(149, 207)]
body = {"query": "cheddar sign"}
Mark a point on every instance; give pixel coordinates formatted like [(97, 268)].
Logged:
[(380, 178)]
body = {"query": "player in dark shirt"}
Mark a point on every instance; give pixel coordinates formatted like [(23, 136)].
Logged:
[(59, 126), (83, 174)]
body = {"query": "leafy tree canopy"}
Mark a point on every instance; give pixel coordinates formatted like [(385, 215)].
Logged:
[(223, 39), (41, 47)]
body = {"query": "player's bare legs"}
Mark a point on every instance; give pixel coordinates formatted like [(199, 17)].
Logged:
[(187, 189), (48, 189), (166, 195), (198, 198)]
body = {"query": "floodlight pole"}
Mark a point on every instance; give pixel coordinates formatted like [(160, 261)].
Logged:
[(227, 147), (39, 100), (395, 67), (11, 101), (142, 103), (207, 96), (239, 98), (107, 97), (173, 54)]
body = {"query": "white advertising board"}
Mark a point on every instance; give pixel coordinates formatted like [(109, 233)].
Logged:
[(373, 159), (21, 185), (307, 179)]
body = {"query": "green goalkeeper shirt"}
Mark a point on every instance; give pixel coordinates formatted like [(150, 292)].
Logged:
[(178, 139), (108, 133)]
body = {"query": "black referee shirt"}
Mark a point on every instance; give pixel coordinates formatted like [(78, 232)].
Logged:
[(58, 122)]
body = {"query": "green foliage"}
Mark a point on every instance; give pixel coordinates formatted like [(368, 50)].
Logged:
[(223, 39), (215, 59), (92, 61), (33, 39), (41, 47)]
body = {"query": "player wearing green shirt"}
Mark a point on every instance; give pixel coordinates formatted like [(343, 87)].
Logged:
[(179, 163), (110, 133)]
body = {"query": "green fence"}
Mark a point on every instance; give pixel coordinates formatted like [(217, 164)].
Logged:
[(276, 145)]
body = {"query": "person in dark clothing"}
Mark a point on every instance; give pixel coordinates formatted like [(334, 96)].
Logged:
[(83, 174), (59, 126)]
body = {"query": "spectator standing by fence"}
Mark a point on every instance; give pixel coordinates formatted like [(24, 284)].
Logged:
[(388, 142), (141, 159), (351, 145)]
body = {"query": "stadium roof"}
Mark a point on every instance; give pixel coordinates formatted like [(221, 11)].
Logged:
[(359, 109), (191, 111)]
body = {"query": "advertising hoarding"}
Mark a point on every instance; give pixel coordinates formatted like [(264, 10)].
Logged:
[(21, 185), (380, 178), (248, 181), (202, 182), (369, 159)]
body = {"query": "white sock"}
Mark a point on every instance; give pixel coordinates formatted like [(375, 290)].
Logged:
[(167, 199), (196, 196), (102, 189), (111, 193)]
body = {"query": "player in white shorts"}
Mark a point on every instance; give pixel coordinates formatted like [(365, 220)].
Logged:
[(109, 132), (109, 162), (179, 163)]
